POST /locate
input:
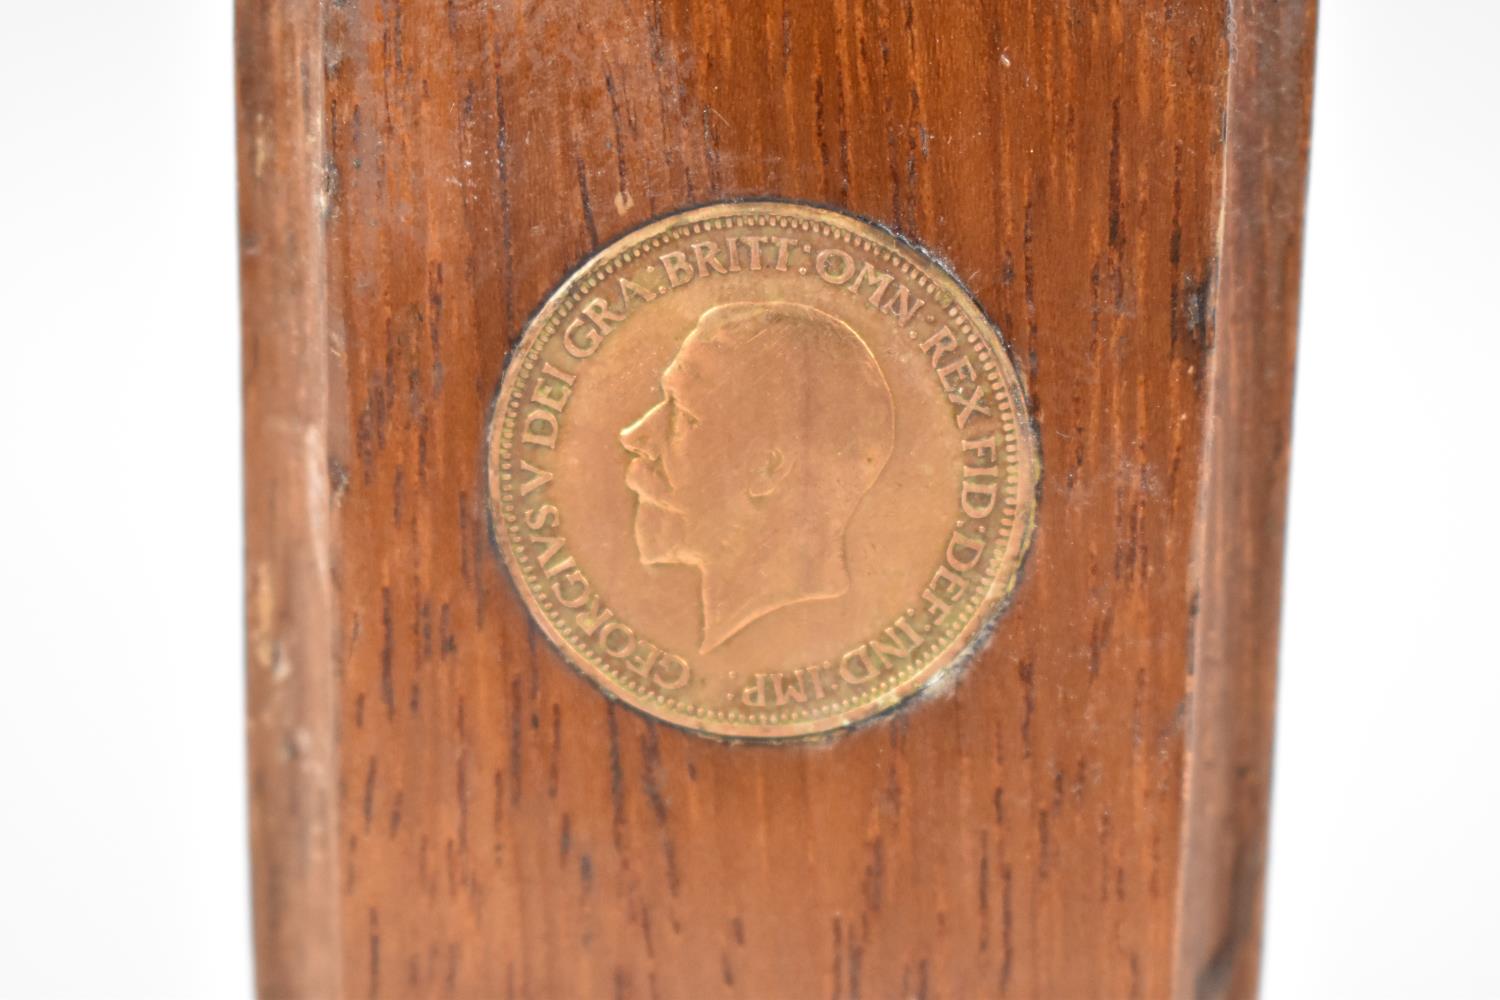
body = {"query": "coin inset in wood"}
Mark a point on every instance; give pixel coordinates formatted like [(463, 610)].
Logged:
[(762, 470)]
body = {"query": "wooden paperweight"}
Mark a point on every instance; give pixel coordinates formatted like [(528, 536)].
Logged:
[(765, 499)]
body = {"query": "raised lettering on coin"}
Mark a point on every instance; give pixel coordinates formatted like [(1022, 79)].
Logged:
[(762, 470)]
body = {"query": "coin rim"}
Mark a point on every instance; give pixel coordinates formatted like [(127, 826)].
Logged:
[(955, 653)]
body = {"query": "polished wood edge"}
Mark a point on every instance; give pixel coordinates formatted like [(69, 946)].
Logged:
[(290, 591), (1241, 526)]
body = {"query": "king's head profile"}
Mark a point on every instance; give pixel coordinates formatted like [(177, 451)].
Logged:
[(774, 422)]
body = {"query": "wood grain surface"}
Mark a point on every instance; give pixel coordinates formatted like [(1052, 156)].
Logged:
[(442, 807)]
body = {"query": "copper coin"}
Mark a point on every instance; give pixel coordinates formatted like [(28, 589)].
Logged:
[(762, 470)]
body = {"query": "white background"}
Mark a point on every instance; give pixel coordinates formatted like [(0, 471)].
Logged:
[(122, 804)]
